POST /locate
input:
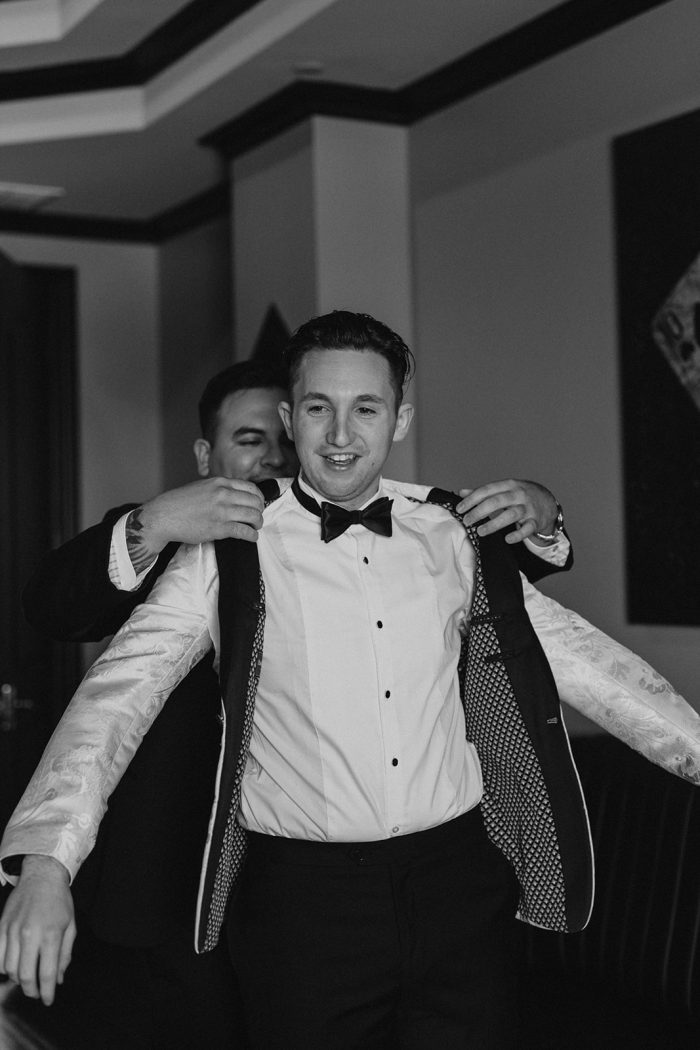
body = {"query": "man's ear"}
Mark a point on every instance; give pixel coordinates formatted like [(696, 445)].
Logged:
[(403, 421), (285, 410), (202, 452)]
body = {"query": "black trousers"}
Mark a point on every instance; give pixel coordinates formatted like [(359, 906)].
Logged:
[(406, 943), (164, 997)]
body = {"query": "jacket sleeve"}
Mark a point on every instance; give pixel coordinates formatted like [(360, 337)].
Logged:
[(70, 597), (111, 712), (615, 688)]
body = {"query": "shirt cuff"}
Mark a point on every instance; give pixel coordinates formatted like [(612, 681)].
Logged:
[(121, 571), (555, 553), (11, 861)]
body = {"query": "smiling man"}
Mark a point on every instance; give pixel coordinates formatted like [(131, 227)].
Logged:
[(394, 769), (347, 414), (240, 423)]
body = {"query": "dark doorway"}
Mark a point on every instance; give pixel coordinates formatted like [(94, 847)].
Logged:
[(38, 494)]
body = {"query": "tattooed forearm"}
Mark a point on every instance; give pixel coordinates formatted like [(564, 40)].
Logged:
[(140, 553)]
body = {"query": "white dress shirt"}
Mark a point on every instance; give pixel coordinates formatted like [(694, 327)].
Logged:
[(359, 728)]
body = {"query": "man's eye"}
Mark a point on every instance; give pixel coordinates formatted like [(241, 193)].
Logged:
[(363, 410), (250, 441), (317, 410)]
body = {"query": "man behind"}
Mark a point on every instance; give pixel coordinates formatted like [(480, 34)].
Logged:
[(135, 980)]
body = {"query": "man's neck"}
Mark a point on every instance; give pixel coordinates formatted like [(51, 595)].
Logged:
[(320, 498)]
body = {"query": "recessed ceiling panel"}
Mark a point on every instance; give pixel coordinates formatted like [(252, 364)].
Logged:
[(112, 28)]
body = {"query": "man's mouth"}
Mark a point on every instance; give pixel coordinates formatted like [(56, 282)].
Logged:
[(341, 460)]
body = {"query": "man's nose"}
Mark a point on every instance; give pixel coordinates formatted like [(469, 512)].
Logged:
[(340, 431), (275, 456)]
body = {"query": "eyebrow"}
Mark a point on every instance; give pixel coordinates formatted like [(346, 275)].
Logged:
[(243, 431), (373, 398)]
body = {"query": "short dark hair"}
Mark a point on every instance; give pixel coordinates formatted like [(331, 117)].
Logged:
[(344, 330), (246, 375)]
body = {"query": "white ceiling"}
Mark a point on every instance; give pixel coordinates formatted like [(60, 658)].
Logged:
[(132, 152)]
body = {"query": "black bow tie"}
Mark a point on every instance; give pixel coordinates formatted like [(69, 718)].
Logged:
[(335, 520)]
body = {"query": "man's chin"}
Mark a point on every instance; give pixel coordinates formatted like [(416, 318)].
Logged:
[(340, 491)]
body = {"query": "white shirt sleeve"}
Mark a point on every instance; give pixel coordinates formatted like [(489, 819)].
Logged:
[(615, 688), (121, 571), (555, 553), (112, 710)]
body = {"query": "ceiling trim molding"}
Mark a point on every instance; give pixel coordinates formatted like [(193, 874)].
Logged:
[(550, 34), (568, 24), (113, 99), (75, 227), (298, 102), (205, 207), (564, 27), (167, 44), (214, 203), (72, 116)]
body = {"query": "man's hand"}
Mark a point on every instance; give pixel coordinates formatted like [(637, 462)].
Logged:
[(37, 928), (211, 509), (532, 506)]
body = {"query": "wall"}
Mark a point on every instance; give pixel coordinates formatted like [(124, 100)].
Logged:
[(363, 236), (118, 365), (195, 335), (273, 235), (515, 297)]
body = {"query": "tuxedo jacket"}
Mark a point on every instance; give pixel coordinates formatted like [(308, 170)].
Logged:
[(532, 803), (139, 885), (542, 836)]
